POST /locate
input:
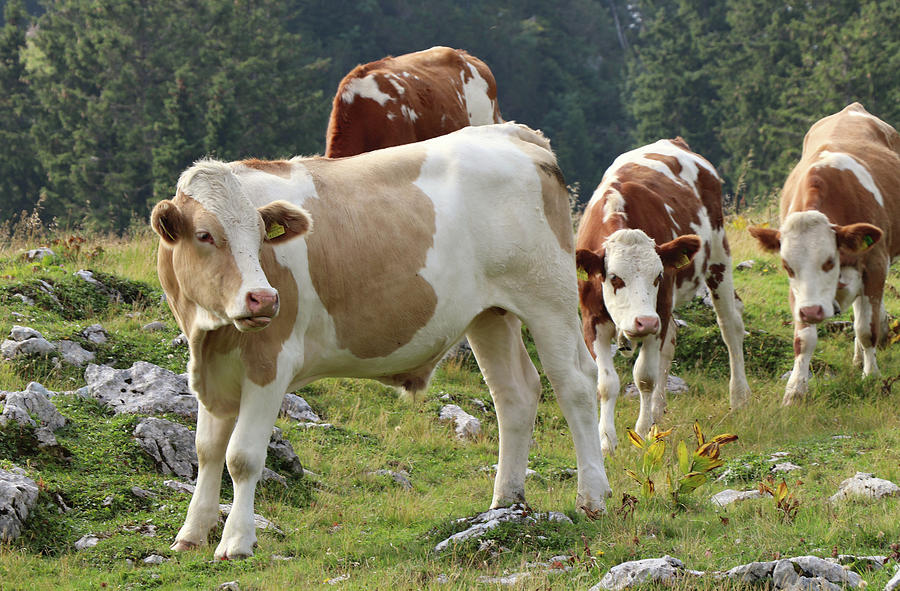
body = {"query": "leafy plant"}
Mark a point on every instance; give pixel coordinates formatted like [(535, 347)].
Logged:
[(653, 449), (785, 502), (695, 466)]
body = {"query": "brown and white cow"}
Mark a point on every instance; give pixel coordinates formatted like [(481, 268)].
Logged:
[(410, 98), (840, 213), (651, 233), (283, 272)]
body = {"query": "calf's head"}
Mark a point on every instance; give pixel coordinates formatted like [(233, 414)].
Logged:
[(632, 268), (811, 249), (216, 237)]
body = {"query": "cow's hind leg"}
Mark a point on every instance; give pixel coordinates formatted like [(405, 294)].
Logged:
[(496, 340), (211, 440), (572, 373), (607, 385), (246, 457)]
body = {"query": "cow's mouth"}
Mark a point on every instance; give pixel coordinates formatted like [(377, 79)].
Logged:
[(250, 323)]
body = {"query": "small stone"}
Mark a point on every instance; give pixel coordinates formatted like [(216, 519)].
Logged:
[(181, 487), (894, 583), (674, 385), (785, 467), (467, 426), (38, 254), (141, 493), (229, 586), (513, 579), (865, 485), (88, 541), (401, 477), (95, 333), (108, 501), (25, 300), (729, 496), (745, 265), (179, 341), (154, 327), (639, 572), (296, 408), (18, 496), (74, 354), (155, 559)]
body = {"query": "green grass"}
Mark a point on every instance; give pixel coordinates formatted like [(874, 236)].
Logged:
[(349, 522)]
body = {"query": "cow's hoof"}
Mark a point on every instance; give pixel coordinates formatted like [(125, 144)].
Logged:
[(608, 444), (233, 551), (182, 545)]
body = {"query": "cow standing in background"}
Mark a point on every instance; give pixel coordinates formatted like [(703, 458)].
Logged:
[(283, 272), (410, 98), (840, 218), (651, 233)]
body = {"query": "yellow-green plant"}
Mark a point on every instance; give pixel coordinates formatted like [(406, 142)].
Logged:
[(785, 502), (695, 466), (652, 451)]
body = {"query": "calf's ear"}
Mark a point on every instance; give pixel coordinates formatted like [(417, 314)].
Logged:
[(769, 239), (284, 221), (857, 238), (167, 221), (679, 253), (590, 263)]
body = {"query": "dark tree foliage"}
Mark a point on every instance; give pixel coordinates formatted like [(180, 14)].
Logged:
[(103, 103)]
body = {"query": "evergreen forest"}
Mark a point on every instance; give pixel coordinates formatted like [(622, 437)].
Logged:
[(104, 102)]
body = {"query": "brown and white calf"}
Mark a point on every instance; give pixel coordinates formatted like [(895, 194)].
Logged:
[(283, 272), (652, 231), (840, 215), (410, 98)]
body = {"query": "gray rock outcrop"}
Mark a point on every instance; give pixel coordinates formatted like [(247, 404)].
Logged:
[(95, 333), (637, 572), (74, 354), (38, 254), (467, 426), (865, 485), (25, 341), (296, 408), (484, 522), (144, 388), (894, 583), (729, 496), (18, 496), (33, 408), (282, 449), (170, 445)]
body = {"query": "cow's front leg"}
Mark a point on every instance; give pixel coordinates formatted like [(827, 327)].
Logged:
[(646, 376), (866, 324), (211, 439), (607, 386), (246, 457), (805, 339), (667, 352)]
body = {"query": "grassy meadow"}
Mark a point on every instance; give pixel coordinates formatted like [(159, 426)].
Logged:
[(358, 531)]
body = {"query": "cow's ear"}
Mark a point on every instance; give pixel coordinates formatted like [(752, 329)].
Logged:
[(679, 253), (857, 238), (589, 263), (769, 239), (284, 221), (167, 221)]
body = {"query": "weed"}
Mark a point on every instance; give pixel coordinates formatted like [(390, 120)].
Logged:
[(785, 502)]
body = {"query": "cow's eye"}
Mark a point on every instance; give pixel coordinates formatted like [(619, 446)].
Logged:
[(205, 237), (616, 282), (828, 266)]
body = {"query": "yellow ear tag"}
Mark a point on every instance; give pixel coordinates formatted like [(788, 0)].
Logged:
[(582, 274), (275, 230), (867, 243), (683, 262)]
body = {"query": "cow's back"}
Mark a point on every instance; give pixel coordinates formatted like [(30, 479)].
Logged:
[(409, 98), (850, 171)]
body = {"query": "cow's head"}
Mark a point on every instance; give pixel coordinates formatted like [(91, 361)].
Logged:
[(216, 237), (632, 267), (811, 249)]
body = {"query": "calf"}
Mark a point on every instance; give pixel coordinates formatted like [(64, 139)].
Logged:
[(840, 211), (410, 98), (283, 272), (651, 233)]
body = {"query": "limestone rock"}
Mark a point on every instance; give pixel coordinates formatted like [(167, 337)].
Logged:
[(401, 477), (38, 254), (74, 354), (467, 426), (282, 449), (754, 572), (25, 341), (729, 496), (745, 265), (637, 572), (33, 408), (95, 333), (785, 467), (674, 385), (179, 341), (86, 541), (296, 408), (154, 327), (142, 389), (894, 583), (154, 559), (260, 521), (170, 445), (18, 496), (867, 486), (484, 522)]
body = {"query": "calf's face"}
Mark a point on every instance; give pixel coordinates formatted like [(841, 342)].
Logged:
[(633, 268), (811, 249), (216, 255)]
